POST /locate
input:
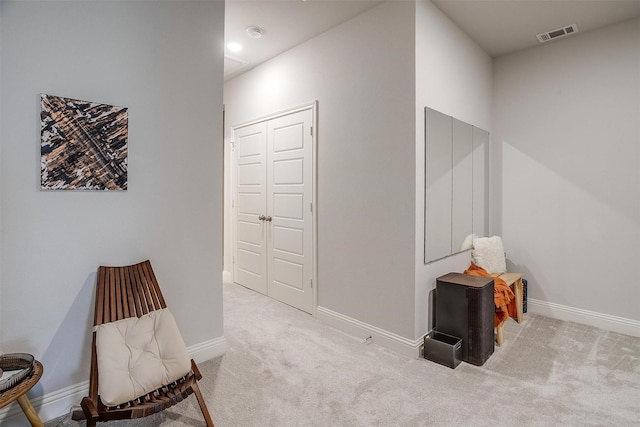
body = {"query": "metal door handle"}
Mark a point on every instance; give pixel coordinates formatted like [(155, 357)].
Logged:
[(262, 217), (268, 219)]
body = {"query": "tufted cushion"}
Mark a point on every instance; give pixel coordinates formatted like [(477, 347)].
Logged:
[(488, 253), (139, 355)]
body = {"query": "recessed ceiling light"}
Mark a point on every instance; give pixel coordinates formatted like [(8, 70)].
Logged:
[(254, 32), (234, 47)]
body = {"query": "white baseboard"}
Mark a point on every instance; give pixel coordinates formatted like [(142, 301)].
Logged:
[(226, 276), (411, 348), (386, 339), (60, 402), (592, 318), (208, 350), (49, 406)]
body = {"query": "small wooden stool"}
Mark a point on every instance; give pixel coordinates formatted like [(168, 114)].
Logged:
[(514, 281), (19, 393)]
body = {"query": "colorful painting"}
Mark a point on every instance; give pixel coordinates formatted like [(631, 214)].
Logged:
[(83, 145)]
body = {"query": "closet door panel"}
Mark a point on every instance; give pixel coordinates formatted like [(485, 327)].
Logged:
[(288, 206), (250, 266), (288, 172), (289, 274), (289, 196), (288, 240)]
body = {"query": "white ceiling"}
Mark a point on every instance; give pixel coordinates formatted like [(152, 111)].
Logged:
[(286, 23), (498, 26), (505, 26)]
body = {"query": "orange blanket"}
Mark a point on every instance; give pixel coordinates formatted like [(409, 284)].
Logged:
[(502, 295)]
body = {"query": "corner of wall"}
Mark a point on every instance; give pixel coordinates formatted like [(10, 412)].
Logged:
[(1, 139), (441, 48)]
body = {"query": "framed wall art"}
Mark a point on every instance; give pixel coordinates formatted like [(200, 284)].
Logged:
[(83, 145)]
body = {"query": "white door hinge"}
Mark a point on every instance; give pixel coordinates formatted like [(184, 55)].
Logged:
[(311, 207), (311, 130), (311, 281)]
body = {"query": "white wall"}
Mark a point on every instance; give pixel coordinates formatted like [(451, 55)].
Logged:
[(1, 97), (567, 128), (362, 74), (162, 60), (453, 76)]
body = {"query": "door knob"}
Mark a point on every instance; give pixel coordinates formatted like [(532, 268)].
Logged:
[(262, 217), (268, 219)]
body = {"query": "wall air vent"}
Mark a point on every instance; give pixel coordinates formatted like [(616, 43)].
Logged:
[(554, 34)]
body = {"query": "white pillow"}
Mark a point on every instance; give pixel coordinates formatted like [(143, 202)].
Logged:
[(467, 243), (488, 253), (139, 355)]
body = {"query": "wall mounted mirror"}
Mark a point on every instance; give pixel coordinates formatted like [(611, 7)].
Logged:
[(456, 184)]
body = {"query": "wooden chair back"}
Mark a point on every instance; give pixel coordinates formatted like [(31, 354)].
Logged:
[(126, 292)]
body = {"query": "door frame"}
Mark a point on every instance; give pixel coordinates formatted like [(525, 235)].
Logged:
[(313, 106)]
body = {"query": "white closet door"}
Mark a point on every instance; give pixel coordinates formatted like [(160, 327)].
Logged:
[(250, 266), (289, 198)]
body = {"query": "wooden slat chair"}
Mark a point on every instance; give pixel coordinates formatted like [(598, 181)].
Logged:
[(124, 292)]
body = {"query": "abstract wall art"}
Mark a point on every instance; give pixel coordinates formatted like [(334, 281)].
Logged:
[(83, 145)]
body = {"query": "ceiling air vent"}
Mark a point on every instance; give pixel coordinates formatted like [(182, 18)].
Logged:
[(560, 32)]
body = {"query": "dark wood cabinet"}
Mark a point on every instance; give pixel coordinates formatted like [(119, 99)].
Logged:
[(465, 309)]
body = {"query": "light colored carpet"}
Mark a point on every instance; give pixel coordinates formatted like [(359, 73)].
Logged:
[(285, 368)]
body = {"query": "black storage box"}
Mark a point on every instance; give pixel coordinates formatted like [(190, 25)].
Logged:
[(443, 349), (465, 308)]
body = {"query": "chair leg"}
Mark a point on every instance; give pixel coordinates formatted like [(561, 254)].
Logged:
[(89, 412), (203, 405), (499, 335)]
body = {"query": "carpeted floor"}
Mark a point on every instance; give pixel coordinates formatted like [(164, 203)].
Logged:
[(285, 368)]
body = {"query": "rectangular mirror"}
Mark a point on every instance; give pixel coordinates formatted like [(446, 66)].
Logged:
[(456, 184)]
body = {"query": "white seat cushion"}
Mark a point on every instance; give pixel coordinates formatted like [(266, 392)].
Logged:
[(488, 253), (139, 355)]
